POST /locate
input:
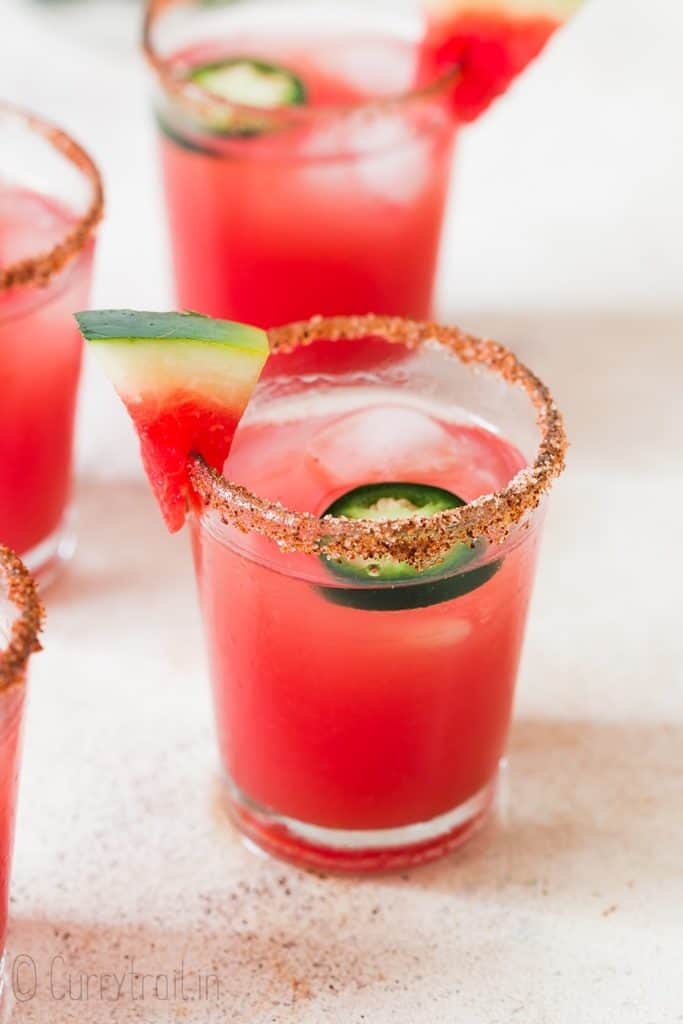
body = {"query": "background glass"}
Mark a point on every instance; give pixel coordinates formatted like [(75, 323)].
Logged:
[(328, 209), (50, 204)]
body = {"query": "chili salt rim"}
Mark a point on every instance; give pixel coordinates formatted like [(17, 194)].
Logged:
[(421, 542), (37, 270), (23, 635), (202, 102)]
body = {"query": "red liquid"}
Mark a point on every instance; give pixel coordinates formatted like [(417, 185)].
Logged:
[(40, 357), (340, 218), (347, 718), (11, 706), (345, 217)]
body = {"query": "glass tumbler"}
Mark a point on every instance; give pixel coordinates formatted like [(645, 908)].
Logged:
[(50, 205), (365, 566)]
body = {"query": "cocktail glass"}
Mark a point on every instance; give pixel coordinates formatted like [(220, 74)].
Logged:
[(362, 713), (332, 207), (50, 204), (20, 620)]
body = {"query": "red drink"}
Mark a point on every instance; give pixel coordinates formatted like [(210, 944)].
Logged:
[(306, 147), (337, 212), (40, 352), (390, 718), (20, 618), (361, 724)]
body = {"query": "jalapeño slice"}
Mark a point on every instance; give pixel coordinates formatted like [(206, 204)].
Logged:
[(251, 83), (243, 81), (376, 581), (238, 80)]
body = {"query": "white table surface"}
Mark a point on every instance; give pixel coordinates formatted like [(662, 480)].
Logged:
[(567, 908)]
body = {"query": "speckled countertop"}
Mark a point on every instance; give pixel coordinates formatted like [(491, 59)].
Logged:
[(565, 909)]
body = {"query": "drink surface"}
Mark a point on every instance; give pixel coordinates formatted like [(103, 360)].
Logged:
[(336, 69), (307, 463), (345, 717), (336, 217), (40, 354)]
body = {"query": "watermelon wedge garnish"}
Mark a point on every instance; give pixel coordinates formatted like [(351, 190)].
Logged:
[(186, 380), (491, 41)]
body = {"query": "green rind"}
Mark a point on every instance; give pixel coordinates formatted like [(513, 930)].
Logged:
[(127, 326)]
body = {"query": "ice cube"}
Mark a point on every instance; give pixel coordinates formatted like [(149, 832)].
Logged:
[(388, 442), (398, 171), (374, 67), (383, 156)]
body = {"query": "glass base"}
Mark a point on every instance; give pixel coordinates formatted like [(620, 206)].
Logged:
[(45, 560), (362, 851)]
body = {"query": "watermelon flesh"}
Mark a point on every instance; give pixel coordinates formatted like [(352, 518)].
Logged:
[(491, 41), (169, 433), (185, 380)]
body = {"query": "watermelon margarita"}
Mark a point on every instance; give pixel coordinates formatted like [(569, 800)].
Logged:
[(20, 617), (331, 711), (364, 575), (307, 147), (46, 251)]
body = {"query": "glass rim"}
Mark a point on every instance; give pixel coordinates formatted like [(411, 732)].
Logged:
[(40, 268), (20, 590), (202, 101), (421, 542)]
